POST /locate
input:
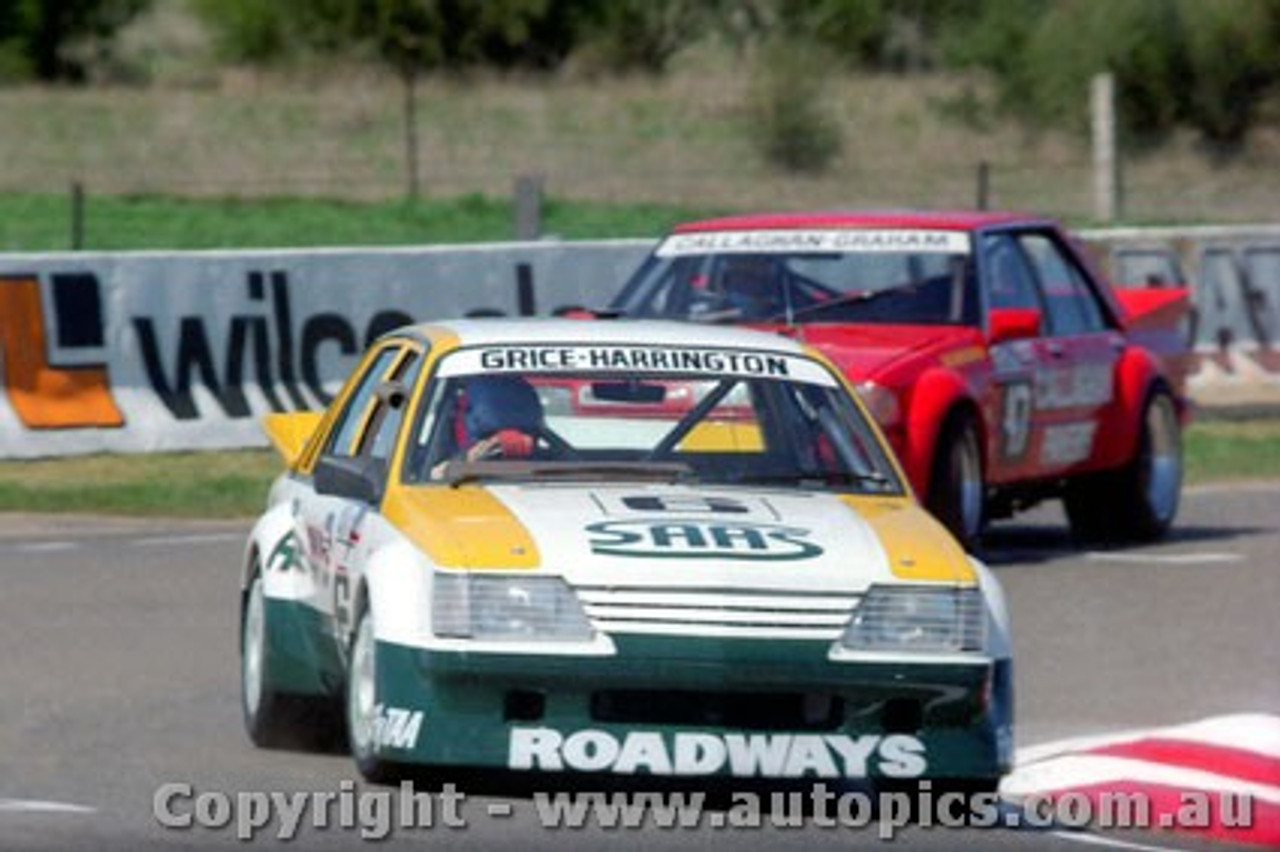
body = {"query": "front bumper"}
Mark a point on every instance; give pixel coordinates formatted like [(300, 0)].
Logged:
[(684, 706)]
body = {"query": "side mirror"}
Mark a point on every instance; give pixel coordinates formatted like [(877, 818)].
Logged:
[(353, 478), (1014, 324)]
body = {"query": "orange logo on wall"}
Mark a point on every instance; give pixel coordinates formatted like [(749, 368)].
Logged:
[(44, 396)]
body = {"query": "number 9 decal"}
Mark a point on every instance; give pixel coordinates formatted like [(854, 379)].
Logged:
[(1015, 426)]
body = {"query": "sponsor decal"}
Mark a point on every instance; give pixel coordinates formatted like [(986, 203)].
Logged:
[(261, 347), (396, 727), (700, 753), (1013, 356), (685, 504), (1086, 385), (285, 556), (45, 395), (962, 357), (814, 240), (699, 539), (1067, 443), (1015, 421)]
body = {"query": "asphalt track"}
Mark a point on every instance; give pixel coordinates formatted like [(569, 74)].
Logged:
[(120, 676)]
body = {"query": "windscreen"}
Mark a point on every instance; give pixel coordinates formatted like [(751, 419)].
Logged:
[(895, 276), (624, 412)]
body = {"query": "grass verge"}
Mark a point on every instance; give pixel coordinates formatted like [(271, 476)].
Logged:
[(1227, 450), (234, 484), (227, 484), (32, 222)]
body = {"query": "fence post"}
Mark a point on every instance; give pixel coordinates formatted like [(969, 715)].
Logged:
[(528, 205), (984, 185), (77, 215), (1106, 174)]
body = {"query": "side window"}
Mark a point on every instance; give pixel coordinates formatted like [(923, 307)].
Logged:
[(360, 405), (387, 418), (1010, 282), (1073, 307)]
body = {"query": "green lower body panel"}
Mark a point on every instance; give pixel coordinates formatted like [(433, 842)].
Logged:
[(691, 707), (302, 658)]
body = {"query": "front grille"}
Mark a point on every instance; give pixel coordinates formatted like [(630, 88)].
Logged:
[(736, 613), (750, 711)]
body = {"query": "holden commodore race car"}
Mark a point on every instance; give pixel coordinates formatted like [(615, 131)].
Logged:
[(1001, 367), (556, 546)]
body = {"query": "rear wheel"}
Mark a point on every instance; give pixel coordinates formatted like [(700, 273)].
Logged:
[(1138, 502), (956, 494), (271, 718)]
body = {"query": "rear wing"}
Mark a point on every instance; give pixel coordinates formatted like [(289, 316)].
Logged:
[(1158, 320), (1154, 307), (290, 431)]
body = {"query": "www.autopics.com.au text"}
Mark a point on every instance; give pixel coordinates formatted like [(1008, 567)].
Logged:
[(377, 814)]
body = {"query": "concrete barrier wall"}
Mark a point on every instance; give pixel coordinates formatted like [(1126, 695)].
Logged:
[(150, 351), (140, 351), (1234, 273)]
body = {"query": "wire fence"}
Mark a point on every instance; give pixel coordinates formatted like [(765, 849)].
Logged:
[(657, 144)]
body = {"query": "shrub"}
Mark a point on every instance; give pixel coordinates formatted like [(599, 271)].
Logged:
[(793, 123)]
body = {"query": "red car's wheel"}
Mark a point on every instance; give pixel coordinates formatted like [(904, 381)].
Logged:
[(956, 495), (1138, 502)]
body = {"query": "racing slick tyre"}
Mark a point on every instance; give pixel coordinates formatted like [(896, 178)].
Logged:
[(956, 494), (362, 704), (271, 718), (1139, 501)]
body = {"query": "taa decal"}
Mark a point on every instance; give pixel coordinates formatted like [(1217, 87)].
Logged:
[(1015, 423), (396, 727), (740, 755), (698, 539)]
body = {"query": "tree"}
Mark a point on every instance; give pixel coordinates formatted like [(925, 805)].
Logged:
[(644, 35), (411, 37), (1207, 66), (416, 36), (55, 41)]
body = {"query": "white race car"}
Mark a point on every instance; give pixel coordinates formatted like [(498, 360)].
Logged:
[(628, 547)]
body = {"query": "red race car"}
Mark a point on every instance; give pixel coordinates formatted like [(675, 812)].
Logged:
[(1002, 367)]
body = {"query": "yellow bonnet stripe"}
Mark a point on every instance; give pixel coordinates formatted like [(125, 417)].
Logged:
[(461, 527), (918, 547)]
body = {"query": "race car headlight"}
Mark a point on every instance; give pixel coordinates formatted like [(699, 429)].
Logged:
[(881, 403), (917, 618), (468, 606)]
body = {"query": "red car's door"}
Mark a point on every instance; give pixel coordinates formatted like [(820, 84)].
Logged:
[(1052, 388), (1014, 317), (1081, 349)]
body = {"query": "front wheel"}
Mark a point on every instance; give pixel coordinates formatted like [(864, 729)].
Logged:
[(363, 705), (1138, 502), (956, 492), (274, 719)]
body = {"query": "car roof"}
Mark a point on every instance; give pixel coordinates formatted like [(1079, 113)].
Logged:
[(621, 332), (947, 220)]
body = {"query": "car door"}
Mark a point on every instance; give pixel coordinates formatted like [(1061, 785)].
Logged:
[(1009, 284), (1079, 350), (332, 527), (1054, 387)]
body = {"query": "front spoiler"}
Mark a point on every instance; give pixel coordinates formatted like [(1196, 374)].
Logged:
[(546, 713)]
